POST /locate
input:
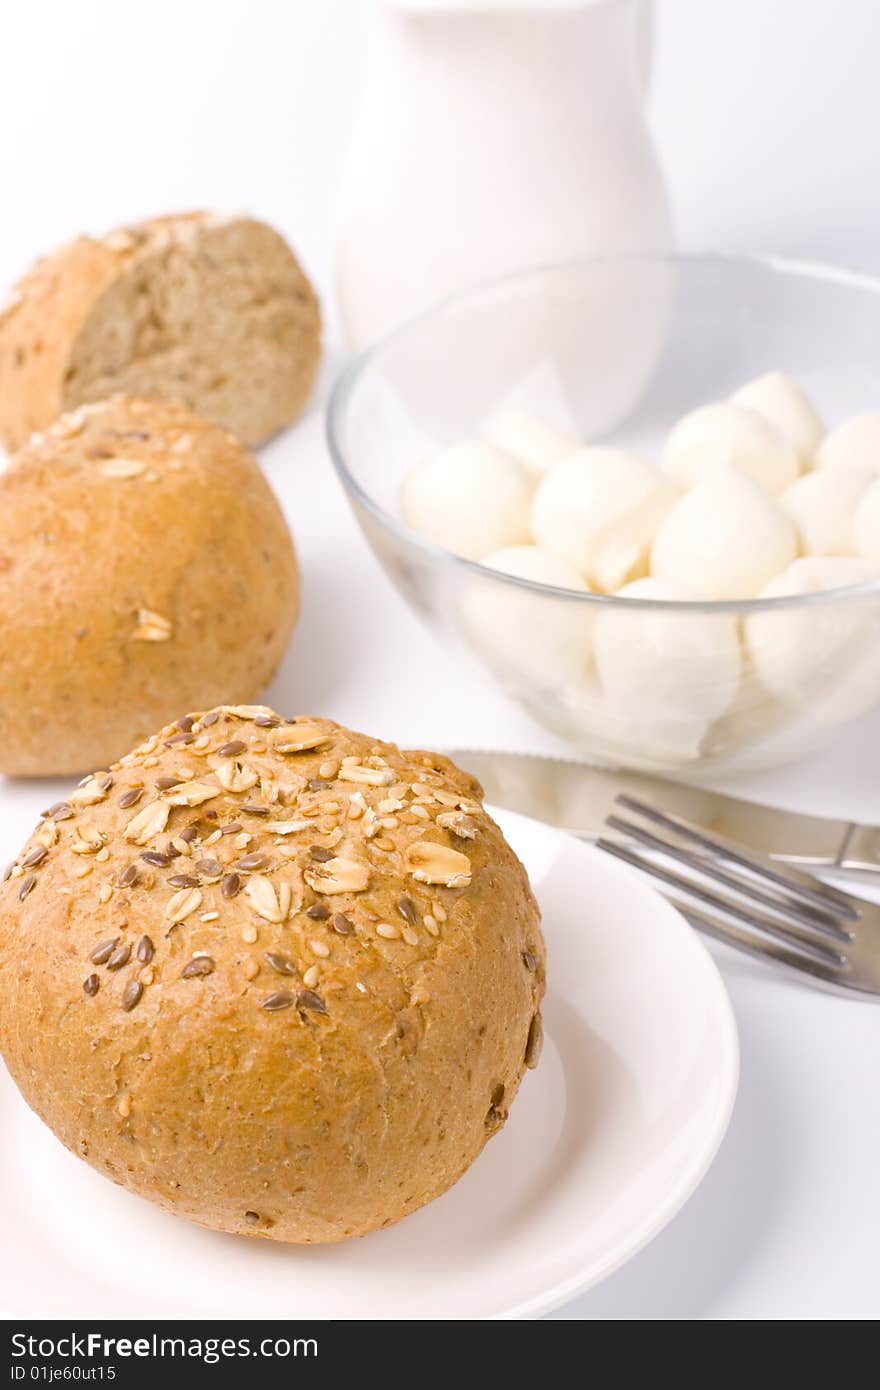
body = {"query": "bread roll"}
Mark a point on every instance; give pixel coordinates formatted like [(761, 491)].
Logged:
[(280, 978), (145, 569), (215, 312)]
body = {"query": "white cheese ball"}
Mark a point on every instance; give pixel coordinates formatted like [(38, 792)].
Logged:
[(854, 444), (783, 402), (726, 434), (470, 499), (679, 670), (598, 509), (606, 732), (540, 566), (823, 507), (866, 526), (532, 441), (825, 655), (726, 538), (540, 639)]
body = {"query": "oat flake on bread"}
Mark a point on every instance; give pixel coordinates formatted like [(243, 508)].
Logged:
[(212, 311), (302, 1036)]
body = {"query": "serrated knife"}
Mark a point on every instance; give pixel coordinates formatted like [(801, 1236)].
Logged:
[(578, 797)]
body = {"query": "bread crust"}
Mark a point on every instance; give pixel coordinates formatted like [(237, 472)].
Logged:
[(213, 311), (403, 1026), (145, 567)]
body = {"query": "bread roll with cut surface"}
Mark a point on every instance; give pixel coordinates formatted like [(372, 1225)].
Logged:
[(302, 1028), (145, 568), (213, 311)]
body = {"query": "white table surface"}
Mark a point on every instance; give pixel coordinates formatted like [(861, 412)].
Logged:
[(787, 1223)]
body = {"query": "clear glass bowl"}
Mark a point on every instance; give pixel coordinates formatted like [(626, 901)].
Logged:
[(617, 350)]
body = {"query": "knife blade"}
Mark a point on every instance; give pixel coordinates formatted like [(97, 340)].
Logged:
[(578, 797)]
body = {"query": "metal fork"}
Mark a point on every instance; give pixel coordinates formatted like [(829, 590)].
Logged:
[(779, 914)]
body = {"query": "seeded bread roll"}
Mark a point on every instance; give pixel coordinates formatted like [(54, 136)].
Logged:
[(145, 567), (215, 312), (278, 977)]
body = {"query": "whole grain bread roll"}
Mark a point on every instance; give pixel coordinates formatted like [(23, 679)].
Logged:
[(281, 978), (212, 311), (145, 568)]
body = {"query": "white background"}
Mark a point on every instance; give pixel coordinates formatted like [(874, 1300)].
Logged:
[(767, 116), (766, 112)]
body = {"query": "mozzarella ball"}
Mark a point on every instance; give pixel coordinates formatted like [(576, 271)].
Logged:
[(598, 510), (757, 731), (602, 729), (540, 566), (470, 499), (727, 538), (542, 639), (866, 526), (726, 434), (854, 444), (826, 655), (823, 507), (681, 667), (786, 405), (525, 437)]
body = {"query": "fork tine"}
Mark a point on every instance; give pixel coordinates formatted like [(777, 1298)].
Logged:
[(802, 947), (764, 949), (820, 896), (802, 916)]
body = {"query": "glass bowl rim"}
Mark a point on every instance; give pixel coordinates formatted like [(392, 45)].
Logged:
[(361, 362)]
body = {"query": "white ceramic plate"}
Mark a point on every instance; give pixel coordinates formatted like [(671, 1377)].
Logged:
[(605, 1142)]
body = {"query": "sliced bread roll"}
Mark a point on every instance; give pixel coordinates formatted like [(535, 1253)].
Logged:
[(212, 311)]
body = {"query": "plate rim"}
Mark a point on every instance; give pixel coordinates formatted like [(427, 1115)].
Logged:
[(538, 1305)]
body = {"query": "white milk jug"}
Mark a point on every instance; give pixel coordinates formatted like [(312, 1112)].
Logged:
[(494, 135)]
